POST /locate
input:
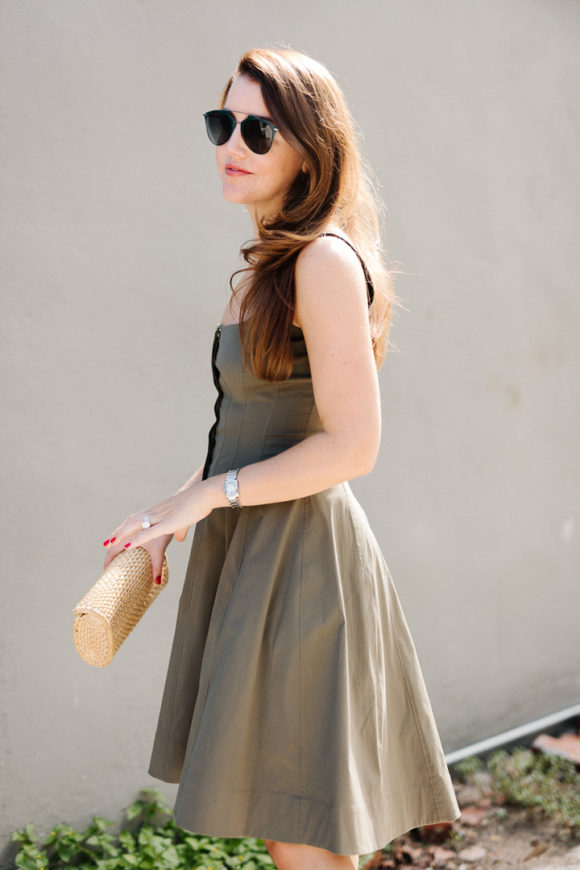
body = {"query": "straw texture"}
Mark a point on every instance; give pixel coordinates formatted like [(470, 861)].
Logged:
[(113, 606)]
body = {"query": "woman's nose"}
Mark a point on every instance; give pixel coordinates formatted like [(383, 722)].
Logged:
[(235, 143)]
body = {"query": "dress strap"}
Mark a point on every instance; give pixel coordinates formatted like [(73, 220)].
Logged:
[(370, 288)]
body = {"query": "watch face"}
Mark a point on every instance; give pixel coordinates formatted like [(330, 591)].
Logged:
[(231, 487)]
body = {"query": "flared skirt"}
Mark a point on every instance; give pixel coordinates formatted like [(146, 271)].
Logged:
[(294, 706)]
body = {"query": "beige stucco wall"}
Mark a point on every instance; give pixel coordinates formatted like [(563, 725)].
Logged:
[(116, 248)]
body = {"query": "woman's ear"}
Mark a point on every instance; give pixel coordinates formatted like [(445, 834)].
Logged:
[(305, 168)]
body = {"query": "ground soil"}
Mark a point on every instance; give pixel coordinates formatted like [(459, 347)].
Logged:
[(490, 835)]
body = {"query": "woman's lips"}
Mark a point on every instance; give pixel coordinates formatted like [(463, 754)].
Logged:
[(235, 170)]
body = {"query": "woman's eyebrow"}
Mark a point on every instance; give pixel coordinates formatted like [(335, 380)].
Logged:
[(255, 114)]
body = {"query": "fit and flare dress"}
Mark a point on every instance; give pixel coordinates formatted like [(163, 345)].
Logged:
[(294, 705)]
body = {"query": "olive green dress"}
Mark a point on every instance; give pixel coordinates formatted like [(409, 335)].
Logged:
[(294, 706)]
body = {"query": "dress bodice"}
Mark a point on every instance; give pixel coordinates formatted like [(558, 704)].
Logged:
[(256, 418)]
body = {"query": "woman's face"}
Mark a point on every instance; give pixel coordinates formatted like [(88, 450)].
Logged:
[(260, 181)]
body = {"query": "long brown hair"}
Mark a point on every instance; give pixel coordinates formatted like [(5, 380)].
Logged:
[(308, 107)]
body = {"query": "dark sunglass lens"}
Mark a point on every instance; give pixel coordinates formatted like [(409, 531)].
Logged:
[(219, 127), (258, 135)]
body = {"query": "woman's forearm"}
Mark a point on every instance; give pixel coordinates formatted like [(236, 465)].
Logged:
[(314, 464), (195, 478)]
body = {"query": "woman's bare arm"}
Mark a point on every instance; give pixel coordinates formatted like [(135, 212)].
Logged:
[(331, 308)]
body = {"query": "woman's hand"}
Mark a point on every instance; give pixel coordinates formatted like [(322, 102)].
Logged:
[(156, 549), (168, 518)]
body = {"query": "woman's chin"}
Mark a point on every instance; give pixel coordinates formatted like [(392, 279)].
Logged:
[(234, 191), (235, 196)]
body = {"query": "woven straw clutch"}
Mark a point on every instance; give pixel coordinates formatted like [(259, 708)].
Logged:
[(113, 606)]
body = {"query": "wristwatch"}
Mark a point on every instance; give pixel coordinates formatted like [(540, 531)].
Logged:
[(231, 487)]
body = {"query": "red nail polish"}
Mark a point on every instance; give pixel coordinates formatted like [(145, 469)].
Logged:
[(113, 539), (128, 545), (158, 579), (105, 542)]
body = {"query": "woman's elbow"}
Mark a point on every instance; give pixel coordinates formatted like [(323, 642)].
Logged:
[(363, 454), (368, 461)]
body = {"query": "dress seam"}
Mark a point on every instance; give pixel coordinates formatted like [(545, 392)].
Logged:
[(366, 573), (417, 724), (222, 417), (305, 508), (241, 420), (244, 515), (266, 428), (356, 527), (179, 658)]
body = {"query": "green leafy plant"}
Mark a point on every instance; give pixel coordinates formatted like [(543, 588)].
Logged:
[(150, 840), (468, 767), (547, 784)]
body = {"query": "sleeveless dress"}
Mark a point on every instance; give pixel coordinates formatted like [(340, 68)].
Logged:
[(294, 705)]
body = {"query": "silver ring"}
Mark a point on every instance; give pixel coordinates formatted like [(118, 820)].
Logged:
[(145, 522)]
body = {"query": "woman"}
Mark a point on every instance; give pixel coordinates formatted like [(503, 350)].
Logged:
[(294, 707)]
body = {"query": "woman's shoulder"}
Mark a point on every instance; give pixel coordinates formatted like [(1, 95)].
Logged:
[(330, 254), (328, 273), (331, 249), (327, 247)]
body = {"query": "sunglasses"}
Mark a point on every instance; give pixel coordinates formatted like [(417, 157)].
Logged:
[(257, 133)]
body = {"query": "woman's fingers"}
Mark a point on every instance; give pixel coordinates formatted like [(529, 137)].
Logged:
[(156, 550), (133, 523), (146, 536), (174, 525), (111, 553), (176, 514), (123, 532)]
